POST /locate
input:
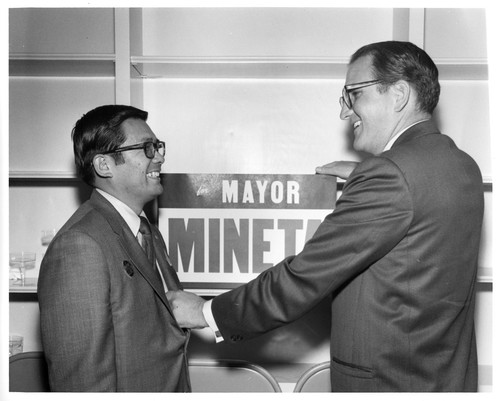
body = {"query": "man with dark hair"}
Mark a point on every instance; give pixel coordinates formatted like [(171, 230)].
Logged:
[(105, 320), (398, 256)]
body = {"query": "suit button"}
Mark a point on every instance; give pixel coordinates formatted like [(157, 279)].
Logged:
[(236, 337)]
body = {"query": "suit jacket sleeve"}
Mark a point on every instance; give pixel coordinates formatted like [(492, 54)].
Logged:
[(370, 218), (75, 307)]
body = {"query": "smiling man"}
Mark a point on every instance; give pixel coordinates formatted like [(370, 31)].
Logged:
[(380, 103), (398, 255), (105, 320)]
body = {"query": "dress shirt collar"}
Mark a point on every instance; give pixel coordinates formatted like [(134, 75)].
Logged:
[(395, 137), (132, 220)]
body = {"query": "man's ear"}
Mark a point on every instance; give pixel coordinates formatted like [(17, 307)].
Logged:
[(402, 92), (101, 166)]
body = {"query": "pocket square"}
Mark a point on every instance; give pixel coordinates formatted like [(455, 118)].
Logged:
[(128, 268)]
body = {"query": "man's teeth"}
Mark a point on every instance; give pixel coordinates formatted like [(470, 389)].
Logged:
[(357, 124), (153, 174)]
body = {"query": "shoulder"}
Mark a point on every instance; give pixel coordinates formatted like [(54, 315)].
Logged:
[(431, 155), (375, 188), (85, 219), (87, 231), (375, 169)]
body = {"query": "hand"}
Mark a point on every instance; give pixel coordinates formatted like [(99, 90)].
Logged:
[(188, 309), (341, 169)]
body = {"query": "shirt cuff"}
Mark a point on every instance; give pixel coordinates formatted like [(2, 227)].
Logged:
[(209, 317)]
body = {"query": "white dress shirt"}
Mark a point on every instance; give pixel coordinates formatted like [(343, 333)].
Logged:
[(132, 220), (395, 137)]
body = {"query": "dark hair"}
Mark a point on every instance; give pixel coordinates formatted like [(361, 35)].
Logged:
[(99, 131), (393, 61)]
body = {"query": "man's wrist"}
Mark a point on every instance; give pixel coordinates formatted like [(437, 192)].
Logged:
[(210, 320)]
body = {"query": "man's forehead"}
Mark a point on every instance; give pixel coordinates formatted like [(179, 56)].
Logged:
[(137, 130), (359, 71)]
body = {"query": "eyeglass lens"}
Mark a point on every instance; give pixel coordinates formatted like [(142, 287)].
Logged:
[(346, 98), (152, 147)]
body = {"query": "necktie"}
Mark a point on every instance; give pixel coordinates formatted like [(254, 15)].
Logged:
[(169, 275), (147, 243)]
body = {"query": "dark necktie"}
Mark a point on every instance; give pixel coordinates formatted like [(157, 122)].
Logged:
[(169, 275), (147, 243)]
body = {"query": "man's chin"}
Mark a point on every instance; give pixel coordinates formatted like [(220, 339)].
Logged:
[(155, 190), (159, 190), (357, 147)]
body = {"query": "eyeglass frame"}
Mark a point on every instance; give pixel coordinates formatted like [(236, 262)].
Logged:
[(156, 146), (348, 88)]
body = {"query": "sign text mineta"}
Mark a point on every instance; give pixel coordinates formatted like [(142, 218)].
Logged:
[(224, 229)]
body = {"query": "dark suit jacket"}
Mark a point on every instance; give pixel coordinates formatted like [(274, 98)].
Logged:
[(106, 323), (399, 257)]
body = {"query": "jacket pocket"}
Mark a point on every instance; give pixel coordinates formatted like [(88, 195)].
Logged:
[(352, 370)]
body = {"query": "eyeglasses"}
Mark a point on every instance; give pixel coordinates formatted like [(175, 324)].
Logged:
[(149, 148), (346, 100)]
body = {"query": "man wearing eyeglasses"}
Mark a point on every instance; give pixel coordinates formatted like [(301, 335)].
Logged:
[(105, 320), (398, 256)]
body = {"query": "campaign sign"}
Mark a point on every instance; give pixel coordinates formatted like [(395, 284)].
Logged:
[(223, 230)]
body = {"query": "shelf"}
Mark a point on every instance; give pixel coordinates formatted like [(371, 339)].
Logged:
[(67, 176), (62, 65), (20, 176), (30, 286), (451, 69), (238, 67), (151, 67), (485, 275)]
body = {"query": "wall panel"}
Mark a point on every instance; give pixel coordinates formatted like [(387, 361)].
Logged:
[(61, 30), (248, 126), (42, 114), (274, 32), (456, 33)]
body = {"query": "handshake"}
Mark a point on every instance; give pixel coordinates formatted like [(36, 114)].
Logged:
[(188, 309)]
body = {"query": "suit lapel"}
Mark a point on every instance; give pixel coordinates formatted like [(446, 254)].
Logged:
[(129, 243)]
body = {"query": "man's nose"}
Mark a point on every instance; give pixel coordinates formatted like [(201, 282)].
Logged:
[(158, 158), (345, 112)]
